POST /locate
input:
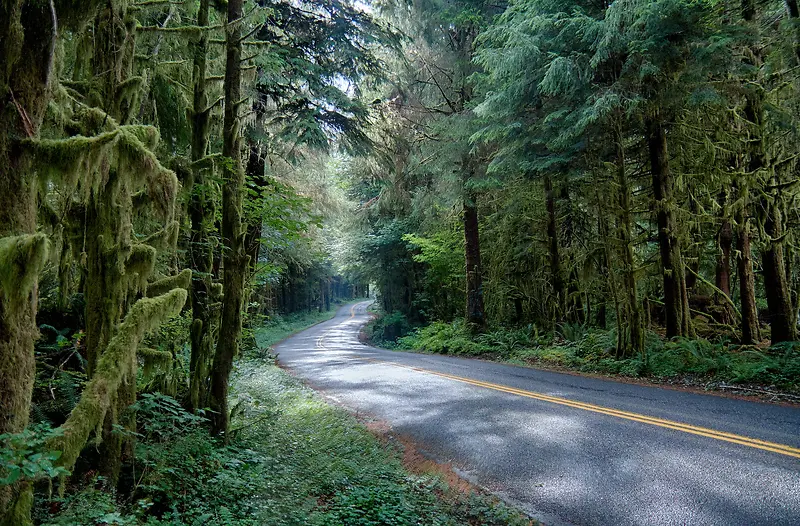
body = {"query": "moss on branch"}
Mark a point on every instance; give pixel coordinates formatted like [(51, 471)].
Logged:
[(182, 280), (115, 366)]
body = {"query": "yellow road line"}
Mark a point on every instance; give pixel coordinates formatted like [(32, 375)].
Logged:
[(773, 447), (319, 344), (660, 422)]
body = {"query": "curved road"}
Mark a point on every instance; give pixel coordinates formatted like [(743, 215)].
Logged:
[(567, 449)]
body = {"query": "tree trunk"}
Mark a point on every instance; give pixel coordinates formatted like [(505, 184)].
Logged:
[(109, 239), (675, 298), (256, 167), (235, 259), (555, 256), (781, 318), (27, 39), (723, 272), (201, 212), (632, 306), (476, 316), (747, 282)]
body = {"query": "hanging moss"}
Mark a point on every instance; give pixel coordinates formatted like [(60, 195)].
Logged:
[(116, 365), (152, 360), (139, 266), (140, 165), (182, 280), (87, 160), (66, 161), (165, 238), (21, 260)]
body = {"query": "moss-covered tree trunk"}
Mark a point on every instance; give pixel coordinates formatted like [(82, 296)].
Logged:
[(675, 297), (747, 281), (109, 226), (234, 257), (776, 287), (201, 212), (552, 248), (722, 276), (632, 308), (27, 40)]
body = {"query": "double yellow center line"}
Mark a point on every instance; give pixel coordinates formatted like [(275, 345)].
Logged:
[(773, 447), (644, 419)]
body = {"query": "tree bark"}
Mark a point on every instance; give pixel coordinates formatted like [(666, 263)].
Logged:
[(675, 298), (553, 251), (234, 258), (28, 33), (201, 212), (747, 283), (747, 287), (781, 316), (723, 272), (776, 288), (476, 316), (635, 331)]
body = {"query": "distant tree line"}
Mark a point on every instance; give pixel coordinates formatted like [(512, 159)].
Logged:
[(629, 165)]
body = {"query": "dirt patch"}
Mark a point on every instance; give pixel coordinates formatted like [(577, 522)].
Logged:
[(416, 461)]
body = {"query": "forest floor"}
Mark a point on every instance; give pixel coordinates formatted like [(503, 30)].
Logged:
[(293, 459), (751, 372)]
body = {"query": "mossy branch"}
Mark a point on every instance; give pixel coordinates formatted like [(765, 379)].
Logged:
[(117, 364), (182, 280), (181, 29), (139, 266), (165, 238), (153, 359), (65, 160)]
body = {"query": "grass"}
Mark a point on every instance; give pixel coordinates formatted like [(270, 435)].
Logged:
[(277, 328), (592, 350), (293, 459)]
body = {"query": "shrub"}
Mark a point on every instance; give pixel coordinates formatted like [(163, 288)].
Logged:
[(389, 328)]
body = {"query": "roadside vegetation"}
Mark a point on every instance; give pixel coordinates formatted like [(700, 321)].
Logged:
[(697, 362), (291, 459), (607, 187)]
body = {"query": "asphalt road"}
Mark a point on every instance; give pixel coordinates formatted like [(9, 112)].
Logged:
[(568, 449)]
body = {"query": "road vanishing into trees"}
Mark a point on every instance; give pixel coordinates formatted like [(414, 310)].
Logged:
[(567, 449)]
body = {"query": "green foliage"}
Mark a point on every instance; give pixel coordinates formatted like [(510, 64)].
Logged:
[(26, 455), (445, 338), (388, 328), (593, 350), (295, 460)]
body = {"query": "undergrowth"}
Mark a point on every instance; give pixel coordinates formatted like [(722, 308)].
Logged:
[(292, 459), (593, 350)]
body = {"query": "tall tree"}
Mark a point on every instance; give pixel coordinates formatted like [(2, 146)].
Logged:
[(234, 255), (201, 212)]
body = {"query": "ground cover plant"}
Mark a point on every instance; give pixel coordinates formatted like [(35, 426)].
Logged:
[(291, 458), (698, 361)]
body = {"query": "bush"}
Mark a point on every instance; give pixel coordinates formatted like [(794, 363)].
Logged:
[(389, 328), (445, 338), (594, 351), (292, 460)]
